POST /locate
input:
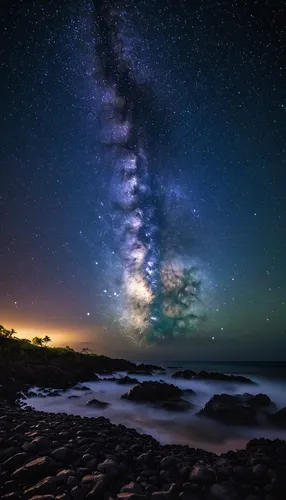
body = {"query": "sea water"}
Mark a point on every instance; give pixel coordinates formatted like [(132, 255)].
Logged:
[(179, 427)]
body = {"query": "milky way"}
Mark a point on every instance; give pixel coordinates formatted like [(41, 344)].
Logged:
[(149, 307), (125, 103)]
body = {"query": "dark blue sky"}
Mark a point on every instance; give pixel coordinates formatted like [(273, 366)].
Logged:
[(217, 72)]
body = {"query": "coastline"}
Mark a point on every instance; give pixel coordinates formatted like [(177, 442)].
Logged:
[(56, 455)]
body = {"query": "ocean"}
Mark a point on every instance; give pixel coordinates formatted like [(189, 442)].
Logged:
[(184, 427)]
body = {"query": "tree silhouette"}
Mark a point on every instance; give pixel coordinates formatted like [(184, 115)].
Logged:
[(46, 340), (37, 341), (86, 350), (7, 333)]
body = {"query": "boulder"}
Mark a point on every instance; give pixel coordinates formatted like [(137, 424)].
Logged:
[(222, 377), (36, 469), (153, 392), (202, 474), (16, 461), (61, 454), (132, 488), (108, 467), (187, 374), (127, 380), (176, 405), (97, 403), (278, 419), (162, 395), (46, 485), (242, 409)]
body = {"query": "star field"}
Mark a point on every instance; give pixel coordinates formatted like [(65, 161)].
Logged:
[(217, 74)]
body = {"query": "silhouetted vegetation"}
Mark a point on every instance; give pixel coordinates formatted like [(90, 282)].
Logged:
[(33, 362)]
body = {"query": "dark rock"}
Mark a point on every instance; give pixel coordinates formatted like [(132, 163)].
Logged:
[(242, 409), (278, 419), (131, 496), (77, 493), (222, 492), (10, 486), (202, 474), (65, 474), (8, 453), (259, 471), (93, 479), (186, 374), (42, 497), (108, 467), (46, 485), (187, 495), (16, 461), (37, 468), (127, 380), (96, 403), (161, 495), (63, 496), (168, 462), (10, 496), (132, 488), (222, 377), (176, 405), (153, 392), (72, 481), (60, 454)]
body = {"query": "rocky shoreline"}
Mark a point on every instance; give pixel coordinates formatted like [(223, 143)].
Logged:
[(47, 456)]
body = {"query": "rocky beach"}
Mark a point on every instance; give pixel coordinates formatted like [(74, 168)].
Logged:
[(46, 455)]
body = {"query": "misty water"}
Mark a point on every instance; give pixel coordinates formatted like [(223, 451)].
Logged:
[(178, 427)]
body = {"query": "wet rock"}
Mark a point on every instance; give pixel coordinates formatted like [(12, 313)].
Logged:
[(202, 474), (242, 409), (132, 488), (109, 467), (176, 405), (187, 495), (65, 474), (127, 380), (16, 461), (222, 492), (63, 496), (77, 493), (168, 462), (161, 495), (278, 419), (46, 485), (222, 377), (96, 403), (131, 496), (186, 374), (153, 392), (42, 497), (37, 468), (61, 454)]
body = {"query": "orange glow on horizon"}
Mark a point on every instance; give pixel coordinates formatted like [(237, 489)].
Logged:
[(74, 336)]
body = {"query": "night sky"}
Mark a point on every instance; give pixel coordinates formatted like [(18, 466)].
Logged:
[(217, 75)]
